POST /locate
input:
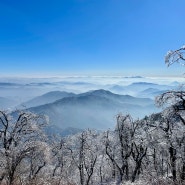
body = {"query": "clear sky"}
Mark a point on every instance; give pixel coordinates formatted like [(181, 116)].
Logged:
[(116, 37)]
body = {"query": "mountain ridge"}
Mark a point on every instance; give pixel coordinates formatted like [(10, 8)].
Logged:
[(93, 109)]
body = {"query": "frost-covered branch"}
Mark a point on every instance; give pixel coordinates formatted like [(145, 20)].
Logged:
[(175, 56)]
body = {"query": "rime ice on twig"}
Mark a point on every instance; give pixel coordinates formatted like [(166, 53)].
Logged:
[(175, 56)]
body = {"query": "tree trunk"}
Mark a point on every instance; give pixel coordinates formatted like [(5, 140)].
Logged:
[(172, 152), (136, 171), (183, 172)]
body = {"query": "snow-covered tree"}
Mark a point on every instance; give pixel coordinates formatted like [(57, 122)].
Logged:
[(22, 146), (84, 153)]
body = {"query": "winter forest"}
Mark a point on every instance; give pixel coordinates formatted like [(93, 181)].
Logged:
[(143, 151)]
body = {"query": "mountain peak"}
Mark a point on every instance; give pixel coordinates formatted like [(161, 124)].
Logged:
[(143, 83), (100, 92)]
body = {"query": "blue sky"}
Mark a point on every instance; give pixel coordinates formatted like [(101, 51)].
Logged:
[(116, 37)]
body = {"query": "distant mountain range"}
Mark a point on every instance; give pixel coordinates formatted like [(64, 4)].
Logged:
[(46, 98), (143, 89), (24, 92), (69, 110), (94, 109), (150, 93)]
